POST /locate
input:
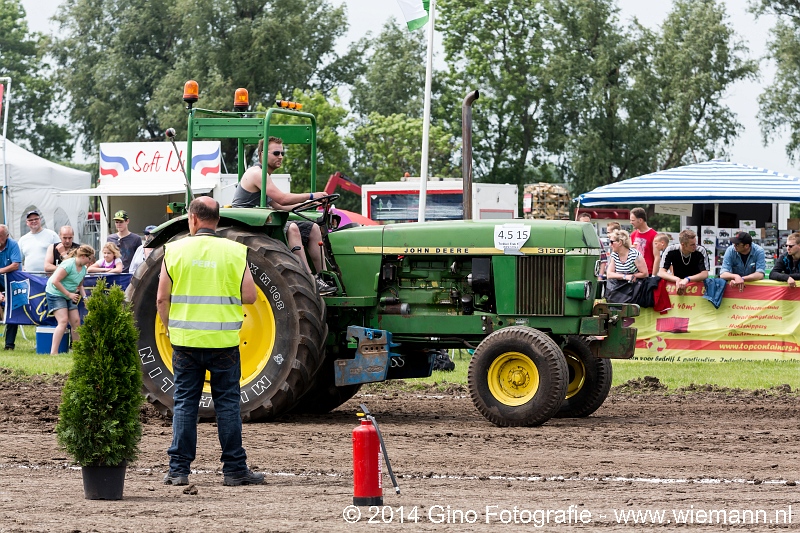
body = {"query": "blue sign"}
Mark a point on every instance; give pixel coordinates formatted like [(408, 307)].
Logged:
[(26, 303)]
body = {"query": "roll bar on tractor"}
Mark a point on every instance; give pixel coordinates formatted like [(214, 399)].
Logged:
[(248, 128)]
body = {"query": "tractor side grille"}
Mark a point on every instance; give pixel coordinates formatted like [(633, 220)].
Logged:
[(540, 285)]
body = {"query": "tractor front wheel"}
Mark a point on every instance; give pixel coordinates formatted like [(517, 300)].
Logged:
[(589, 380), (518, 377)]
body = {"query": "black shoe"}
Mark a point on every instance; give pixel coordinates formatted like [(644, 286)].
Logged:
[(323, 288), (248, 477), (9, 348), (176, 479)]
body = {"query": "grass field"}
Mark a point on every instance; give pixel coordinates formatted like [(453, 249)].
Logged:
[(744, 375), (25, 360)]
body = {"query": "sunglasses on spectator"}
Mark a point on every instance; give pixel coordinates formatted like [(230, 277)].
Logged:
[(789, 245), (613, 240), (277, 153)]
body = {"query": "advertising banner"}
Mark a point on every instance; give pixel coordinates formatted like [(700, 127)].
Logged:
[(759, 323), (154, 166), (26, 303)]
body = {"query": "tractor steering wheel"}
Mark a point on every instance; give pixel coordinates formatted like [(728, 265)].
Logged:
[(314, 204)]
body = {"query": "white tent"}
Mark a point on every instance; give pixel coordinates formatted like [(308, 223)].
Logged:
[(32, 182)]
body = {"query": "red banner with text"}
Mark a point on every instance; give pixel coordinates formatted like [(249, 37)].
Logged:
[(759, 323)]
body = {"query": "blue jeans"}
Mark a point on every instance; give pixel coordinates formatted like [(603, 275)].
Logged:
[(190, 368)]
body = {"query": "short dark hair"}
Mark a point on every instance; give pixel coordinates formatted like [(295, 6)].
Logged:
[(585, 215), (276, 140), (204, 212), (639, 212)]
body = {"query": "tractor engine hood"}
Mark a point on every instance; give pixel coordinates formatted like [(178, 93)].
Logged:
[(464, 238)]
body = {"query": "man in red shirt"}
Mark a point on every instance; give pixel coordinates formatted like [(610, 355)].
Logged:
[(643, 236)]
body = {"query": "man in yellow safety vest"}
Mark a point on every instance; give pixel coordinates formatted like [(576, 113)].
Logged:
[(203, 283)]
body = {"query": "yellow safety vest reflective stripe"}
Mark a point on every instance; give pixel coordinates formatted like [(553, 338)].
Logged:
[(206, 301)]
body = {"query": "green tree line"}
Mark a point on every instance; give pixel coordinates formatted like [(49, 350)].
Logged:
[(569, 93)]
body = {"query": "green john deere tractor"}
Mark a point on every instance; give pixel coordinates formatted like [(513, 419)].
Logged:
[(521, 292)]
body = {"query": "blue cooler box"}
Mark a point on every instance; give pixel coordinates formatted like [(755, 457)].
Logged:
[(44, 339)]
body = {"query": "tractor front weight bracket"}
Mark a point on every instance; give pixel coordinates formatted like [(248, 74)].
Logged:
[(372, 360)]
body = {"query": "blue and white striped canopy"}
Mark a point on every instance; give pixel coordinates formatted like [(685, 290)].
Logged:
[(711, 182)]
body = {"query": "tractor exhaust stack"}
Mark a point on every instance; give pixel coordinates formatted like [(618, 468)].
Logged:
[(466, 151)]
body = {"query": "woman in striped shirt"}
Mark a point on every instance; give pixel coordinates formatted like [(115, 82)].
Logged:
[(625, 263)]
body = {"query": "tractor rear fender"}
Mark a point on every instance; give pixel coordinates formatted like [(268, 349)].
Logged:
[(233, 217)]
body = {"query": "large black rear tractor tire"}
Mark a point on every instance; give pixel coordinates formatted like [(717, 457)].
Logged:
[(324, 396), (281, 341), (589, 380), (517, 377)]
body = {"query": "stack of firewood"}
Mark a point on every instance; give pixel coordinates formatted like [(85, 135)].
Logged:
[(546, 200)]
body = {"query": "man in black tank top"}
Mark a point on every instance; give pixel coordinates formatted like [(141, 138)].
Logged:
[(60, 251), (298, 234)]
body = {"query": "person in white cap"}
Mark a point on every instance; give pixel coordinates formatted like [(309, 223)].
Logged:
[(142, 253), (35, 243)]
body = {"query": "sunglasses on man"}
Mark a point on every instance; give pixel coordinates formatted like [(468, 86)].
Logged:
[(277, 153)]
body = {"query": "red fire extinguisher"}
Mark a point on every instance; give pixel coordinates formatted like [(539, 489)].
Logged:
[(367, 463)]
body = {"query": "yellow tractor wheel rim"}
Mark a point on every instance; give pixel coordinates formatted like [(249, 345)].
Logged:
[(256, 340), (577, 373), (513, 378)]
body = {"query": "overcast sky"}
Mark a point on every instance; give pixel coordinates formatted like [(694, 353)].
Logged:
[(369, 15)]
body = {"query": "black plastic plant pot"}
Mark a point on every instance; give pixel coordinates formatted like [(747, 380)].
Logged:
[(104, 482)]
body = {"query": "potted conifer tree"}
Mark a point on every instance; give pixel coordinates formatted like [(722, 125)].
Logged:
[(99, 415)]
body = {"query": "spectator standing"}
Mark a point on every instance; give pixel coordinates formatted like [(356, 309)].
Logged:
[(684, 261), (787, 267), (126, 241), (743, 261), (64, 291), (10, 260), (142, 253), (60, 251), (643, 236), (35, 243), (33, 246), (203, 283)]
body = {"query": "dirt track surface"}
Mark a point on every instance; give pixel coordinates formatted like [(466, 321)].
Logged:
[(705, 450)]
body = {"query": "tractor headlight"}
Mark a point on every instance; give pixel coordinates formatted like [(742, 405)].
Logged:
[(580, 290)]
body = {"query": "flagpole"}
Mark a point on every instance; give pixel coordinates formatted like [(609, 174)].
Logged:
[(426, 118)]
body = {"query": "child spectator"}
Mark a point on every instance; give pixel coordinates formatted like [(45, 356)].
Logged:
[(110, 263), (64, 291), (660, 244)]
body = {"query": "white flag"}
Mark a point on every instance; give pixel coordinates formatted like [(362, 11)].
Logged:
[(415, 12)]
